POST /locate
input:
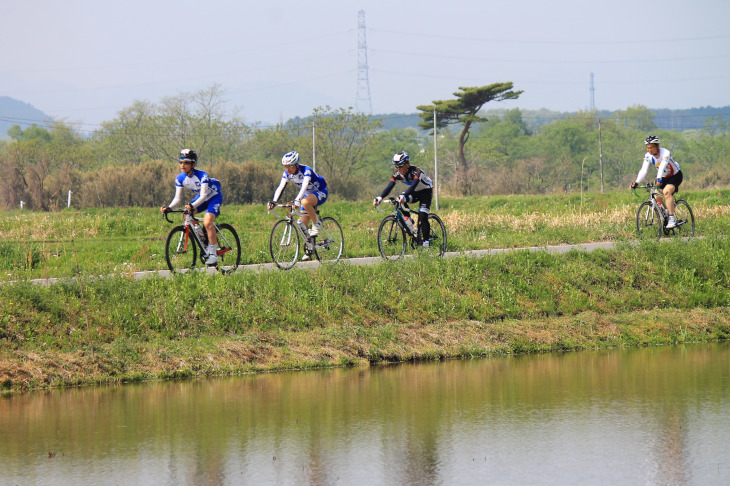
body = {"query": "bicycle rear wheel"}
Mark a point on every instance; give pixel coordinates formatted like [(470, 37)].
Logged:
[(284, 244), (180, 250), (685, 219), (391, 239), (329, 242), (437, 237), (229, 248), (649, 221)]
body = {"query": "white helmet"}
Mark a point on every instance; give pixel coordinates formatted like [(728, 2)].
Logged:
[(187, 155), (401, 158), (290, 158), (651, 139)]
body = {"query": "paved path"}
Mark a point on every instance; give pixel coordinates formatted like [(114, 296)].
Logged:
[(261, 267)]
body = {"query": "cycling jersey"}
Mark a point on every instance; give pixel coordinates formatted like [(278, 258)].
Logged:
[(415, 179), (420, 189), (307, 180), (666, 166), (206, 190)]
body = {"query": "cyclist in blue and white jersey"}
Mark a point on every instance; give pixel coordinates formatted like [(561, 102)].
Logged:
[(420, 188), (208, 198), (669, 176), (312, 190)]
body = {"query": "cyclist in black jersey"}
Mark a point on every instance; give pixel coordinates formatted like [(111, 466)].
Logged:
[(420, 189)]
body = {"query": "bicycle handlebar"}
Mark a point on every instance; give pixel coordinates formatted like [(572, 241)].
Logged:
[(171, 210), (389, 200), (288, 206), (648, 185)]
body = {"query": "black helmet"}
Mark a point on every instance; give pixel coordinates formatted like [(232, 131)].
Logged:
[(401, 158), (651, 139), (187, 155)]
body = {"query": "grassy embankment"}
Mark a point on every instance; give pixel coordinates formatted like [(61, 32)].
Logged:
[(114, 329)]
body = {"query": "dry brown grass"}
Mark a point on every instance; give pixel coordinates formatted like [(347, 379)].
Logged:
[(279, 350), (467, 220)]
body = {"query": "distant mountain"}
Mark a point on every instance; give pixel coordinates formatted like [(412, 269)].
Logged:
[(692, 118), (679, 120), (14, 112), (399, 120)]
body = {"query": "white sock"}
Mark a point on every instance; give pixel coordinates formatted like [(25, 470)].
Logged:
[(211, 249)]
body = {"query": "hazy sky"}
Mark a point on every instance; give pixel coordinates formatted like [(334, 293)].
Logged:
[(84, 60)]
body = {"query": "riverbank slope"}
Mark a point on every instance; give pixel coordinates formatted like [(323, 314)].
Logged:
[(113, 330)]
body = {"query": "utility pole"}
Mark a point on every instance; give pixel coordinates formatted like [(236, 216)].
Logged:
[(600, 152), (314, 146), (363, 102), (435, 162)]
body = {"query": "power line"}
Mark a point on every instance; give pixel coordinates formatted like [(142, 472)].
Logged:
[(411, 74), (649, 40), (543, 61)]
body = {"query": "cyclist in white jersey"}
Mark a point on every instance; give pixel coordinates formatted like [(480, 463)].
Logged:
[(312, 191), (669, 176), (208, 198)]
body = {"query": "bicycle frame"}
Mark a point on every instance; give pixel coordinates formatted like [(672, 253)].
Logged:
[(393, 228), (652, 213), (284, 242), (185, 237), (188, 218), (398, 212), (654, 196), (289, 217)]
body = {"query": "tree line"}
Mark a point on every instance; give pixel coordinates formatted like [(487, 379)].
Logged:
[(132, 159)]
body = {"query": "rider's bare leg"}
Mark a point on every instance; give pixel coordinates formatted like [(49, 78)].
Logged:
[(309, 204), (208, 221), (668, 191)]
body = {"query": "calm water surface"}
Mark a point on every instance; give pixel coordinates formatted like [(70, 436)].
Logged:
[(643, 416)]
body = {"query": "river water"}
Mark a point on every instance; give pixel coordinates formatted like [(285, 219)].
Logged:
[(639, 416)]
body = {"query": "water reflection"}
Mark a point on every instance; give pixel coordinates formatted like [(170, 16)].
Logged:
[(651, 416)]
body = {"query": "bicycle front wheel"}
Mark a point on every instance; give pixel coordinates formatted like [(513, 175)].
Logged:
[(685, 219), (330, 242), (391, 239), (649, 221), (284, 244), (229, 248), (180, 250), (437, 237)]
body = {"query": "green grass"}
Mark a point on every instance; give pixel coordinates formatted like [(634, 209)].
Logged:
[(93, 329), (121, 241), (519, 285)]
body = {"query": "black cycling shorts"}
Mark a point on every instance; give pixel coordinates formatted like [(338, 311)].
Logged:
[(675, 180), (423, 197)]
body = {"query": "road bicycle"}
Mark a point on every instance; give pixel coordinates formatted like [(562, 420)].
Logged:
[(652, 216), (185, 241), (398, 228), (288, 233)]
